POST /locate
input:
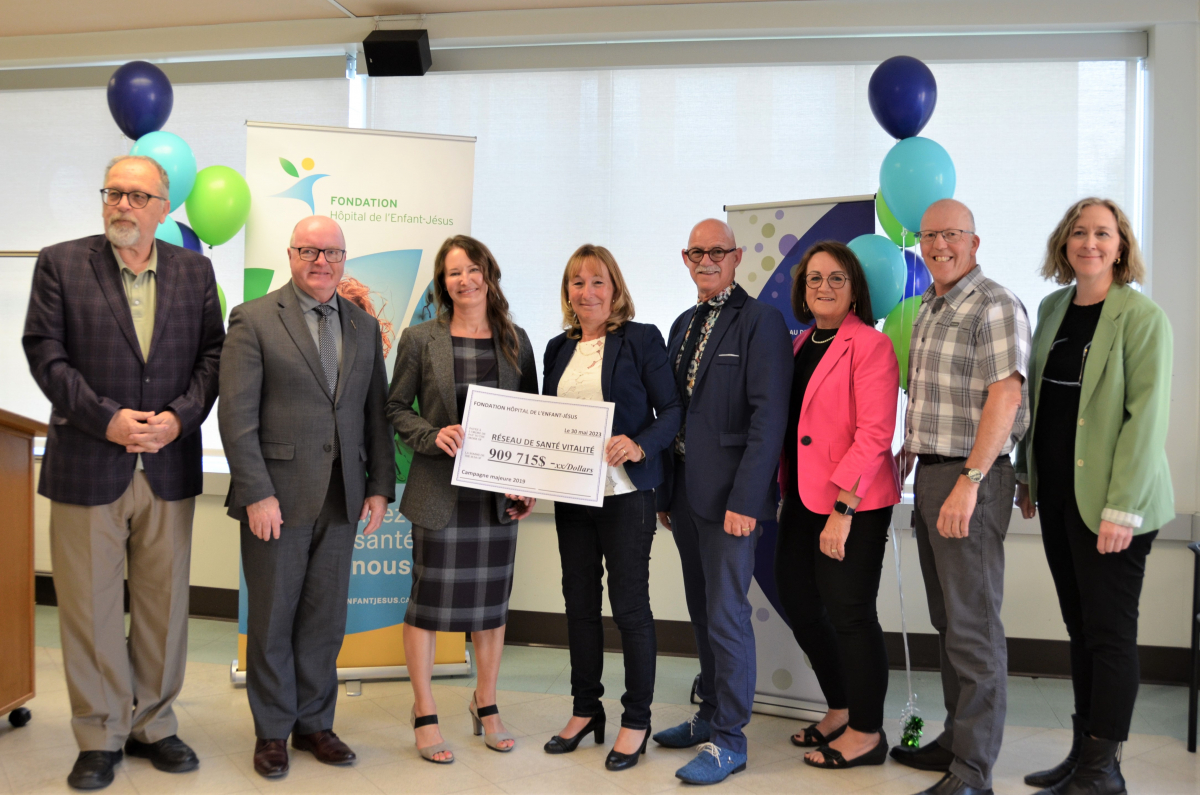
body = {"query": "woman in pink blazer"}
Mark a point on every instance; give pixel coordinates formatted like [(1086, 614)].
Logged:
[(839, 482)]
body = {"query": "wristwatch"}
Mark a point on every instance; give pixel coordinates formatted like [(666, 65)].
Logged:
[(843, 508), (973, 475)]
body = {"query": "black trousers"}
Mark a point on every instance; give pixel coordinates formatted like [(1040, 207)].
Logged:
[(296, 587), (617, 535), (831, 607), (1099, 597)]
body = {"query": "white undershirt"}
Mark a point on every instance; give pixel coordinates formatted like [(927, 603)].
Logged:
[(581, 381)]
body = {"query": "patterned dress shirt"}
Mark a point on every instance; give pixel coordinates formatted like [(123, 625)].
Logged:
[(962, 342), (716, 302)]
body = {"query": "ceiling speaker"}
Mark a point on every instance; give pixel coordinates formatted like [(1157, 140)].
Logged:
[(397, 53)]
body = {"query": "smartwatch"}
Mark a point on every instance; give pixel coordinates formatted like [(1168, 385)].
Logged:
[(843, 508), (973, 475)]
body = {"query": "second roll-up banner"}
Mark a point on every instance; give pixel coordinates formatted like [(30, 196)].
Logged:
[(774, 237), (397, 196)]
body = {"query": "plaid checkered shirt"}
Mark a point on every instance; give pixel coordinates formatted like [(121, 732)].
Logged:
[(962, 342)]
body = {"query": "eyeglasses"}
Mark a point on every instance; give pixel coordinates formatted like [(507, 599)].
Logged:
[(837, 280), (137, 198), (332, 255), (949, 235), (714, 254)]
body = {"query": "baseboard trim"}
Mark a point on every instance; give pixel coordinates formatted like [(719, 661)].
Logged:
[(204, 602), (1026, 656), (1169, 665)]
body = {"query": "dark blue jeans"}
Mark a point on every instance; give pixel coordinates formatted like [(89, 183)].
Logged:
[(717, 570), (617, 535)]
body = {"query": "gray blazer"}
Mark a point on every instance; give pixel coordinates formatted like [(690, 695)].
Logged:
[(425, 372), (277, 417)]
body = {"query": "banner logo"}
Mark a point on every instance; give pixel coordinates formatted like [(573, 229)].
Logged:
[(302, 190)]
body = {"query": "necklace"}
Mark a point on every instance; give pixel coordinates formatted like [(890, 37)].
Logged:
[(815, 341)]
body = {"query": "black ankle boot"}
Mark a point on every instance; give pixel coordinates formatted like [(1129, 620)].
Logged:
[(1097, 772), (1062, 771)]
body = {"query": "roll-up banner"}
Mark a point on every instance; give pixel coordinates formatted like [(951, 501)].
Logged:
[(774, 236), (397, 197)]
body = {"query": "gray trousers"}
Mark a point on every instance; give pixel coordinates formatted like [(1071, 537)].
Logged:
[(964, 582), (297, 587), (121, 687)]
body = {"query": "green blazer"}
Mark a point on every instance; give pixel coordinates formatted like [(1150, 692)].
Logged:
[(1121, 472)]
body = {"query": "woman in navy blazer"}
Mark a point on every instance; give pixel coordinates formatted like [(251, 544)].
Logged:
[(603, 355)]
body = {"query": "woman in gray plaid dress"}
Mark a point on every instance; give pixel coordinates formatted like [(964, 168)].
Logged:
[(464, 540)]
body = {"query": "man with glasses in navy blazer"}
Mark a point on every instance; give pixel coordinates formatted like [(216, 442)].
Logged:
[(732, 358)]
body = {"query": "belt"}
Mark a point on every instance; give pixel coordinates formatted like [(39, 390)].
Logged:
[(930, 458)]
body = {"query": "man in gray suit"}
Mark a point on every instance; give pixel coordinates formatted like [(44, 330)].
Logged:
[(303, 390)]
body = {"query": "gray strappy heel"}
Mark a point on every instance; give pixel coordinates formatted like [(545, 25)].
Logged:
[(490, 740), (429, 752)]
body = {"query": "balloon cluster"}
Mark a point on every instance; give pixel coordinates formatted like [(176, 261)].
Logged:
[(140, 98), (916, 173)]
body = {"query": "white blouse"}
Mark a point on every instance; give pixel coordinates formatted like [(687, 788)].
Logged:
[(581, 381)]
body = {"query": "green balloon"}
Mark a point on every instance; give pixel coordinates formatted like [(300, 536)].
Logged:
[(891, 226), (218, 205), (221, 298), (899, 328)]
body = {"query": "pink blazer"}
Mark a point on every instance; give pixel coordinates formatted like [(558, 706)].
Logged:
[(847, 422)]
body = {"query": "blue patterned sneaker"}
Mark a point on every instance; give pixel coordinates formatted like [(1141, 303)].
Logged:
[(712, 765), (691, 732)]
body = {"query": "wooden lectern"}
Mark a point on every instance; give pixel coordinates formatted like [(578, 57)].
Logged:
[(16, 564)]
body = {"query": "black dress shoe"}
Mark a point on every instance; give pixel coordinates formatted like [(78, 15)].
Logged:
[(94, 769), (953, 785), (170, 754), (565, 745), (620, 761), (931, 756)]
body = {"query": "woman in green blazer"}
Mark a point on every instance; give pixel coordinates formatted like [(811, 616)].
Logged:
[(1094, 464)]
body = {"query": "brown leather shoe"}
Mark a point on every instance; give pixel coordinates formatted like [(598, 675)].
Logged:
[(325, 746), (270, 758)]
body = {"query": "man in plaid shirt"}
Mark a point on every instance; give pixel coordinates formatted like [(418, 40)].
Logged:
[(967, 410)]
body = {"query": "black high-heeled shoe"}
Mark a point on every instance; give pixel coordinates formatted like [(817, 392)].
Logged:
[(619, 761), (563, 745)]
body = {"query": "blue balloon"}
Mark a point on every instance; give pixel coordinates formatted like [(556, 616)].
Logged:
[(916, 173), (140, 98), (919, 277), (175, 156), (168, 231), (902, 93), (190, 238), (883, 265)]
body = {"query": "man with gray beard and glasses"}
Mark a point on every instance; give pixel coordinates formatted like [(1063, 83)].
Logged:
[(124, 335)]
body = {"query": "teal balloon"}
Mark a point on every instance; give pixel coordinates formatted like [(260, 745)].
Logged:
[(916, 173), (175, 156), (169, 232), (883, 264)]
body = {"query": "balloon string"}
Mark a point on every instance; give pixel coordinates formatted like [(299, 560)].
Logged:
[(907, 326)]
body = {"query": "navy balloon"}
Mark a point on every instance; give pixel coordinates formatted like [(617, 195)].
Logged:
[(190, 240), (918, 281), (140, 98), (902, 93)]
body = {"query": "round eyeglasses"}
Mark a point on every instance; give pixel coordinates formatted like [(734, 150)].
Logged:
[(836, 280), (137, 198), (714, 254)]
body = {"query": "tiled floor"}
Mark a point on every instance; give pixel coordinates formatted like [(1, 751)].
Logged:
[(215, 719)]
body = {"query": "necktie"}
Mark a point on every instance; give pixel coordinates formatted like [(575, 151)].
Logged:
[(689, 349), (329, 363), (327, 347)]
